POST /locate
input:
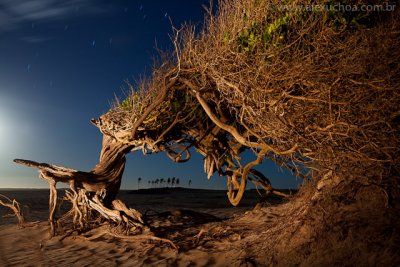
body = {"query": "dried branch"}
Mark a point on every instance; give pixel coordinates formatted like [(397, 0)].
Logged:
[(14, 206)]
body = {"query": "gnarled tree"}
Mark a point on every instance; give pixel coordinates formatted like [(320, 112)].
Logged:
[(316, 92)]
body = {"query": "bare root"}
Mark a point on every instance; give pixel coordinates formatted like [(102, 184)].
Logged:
[(15, 207)]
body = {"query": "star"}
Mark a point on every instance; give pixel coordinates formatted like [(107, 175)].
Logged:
[(141, 7), (28, 67), (94, 43), (165, 15), (66, 27)]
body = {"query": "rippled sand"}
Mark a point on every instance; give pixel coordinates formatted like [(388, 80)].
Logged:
[(201, 223)]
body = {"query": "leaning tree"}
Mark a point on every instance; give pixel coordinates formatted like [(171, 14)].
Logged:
[(313, 91)]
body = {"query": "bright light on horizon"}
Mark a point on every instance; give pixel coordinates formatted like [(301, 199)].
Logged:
[(4, 126), (15, 129)]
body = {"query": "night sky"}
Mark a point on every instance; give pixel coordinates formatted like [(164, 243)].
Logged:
[(63, 62)]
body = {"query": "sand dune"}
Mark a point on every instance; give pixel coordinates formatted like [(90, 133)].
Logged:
[(202, 225)]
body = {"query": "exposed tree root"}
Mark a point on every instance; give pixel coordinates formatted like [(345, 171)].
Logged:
[(91, 194), (15, 207)]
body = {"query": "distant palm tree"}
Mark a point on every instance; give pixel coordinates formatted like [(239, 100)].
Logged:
[(149, 183), (190, 182), (157, 181), (161, 181), (138, 182), (173, 181), (168, 181), (177, 181), (152, 183)]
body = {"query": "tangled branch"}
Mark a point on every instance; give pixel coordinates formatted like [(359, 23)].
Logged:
[(15, 207), (315, 92), (294, 87)]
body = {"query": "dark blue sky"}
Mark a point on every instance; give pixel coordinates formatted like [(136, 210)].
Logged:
[(62, 63)]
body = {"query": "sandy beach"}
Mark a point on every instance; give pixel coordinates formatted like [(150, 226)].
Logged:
[(262, 94), (204, 229)]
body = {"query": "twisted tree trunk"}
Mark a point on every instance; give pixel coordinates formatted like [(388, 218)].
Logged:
[(106, 175), (95, 190)]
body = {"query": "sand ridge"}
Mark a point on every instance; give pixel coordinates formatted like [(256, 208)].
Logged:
[(218, 243), (210, 234)]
